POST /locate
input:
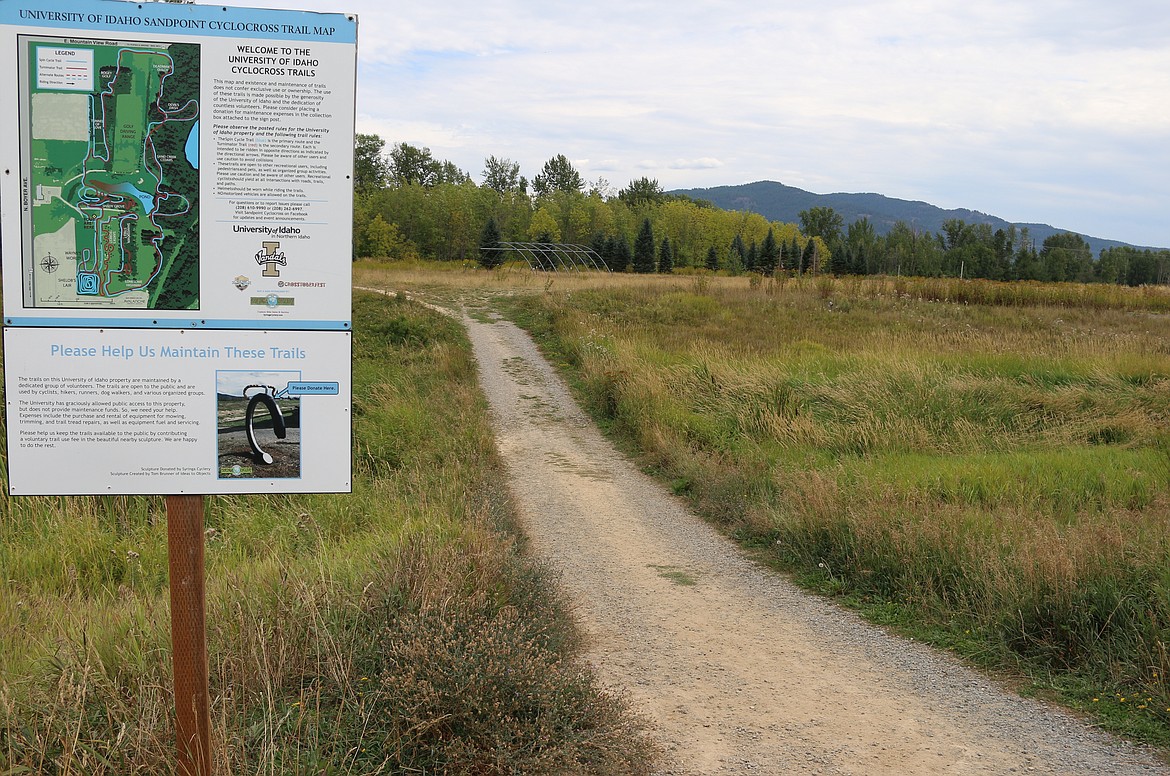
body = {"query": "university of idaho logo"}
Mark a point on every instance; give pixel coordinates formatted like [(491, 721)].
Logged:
[(270, 258)]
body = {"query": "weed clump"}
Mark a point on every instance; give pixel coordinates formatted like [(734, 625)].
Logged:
[(477, 688)]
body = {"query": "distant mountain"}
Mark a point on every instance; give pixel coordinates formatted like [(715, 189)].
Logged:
[(778, 202)]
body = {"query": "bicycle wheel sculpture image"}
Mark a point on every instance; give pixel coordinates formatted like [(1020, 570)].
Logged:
[(259, 425)]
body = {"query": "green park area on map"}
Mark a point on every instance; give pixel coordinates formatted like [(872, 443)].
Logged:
[(113, 143)]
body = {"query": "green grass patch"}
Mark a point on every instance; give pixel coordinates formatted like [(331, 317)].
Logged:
[(676, 575)]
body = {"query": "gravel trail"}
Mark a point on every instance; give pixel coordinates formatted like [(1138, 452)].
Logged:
[(738, 671)]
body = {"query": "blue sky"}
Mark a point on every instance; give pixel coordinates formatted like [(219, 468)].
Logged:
[(1044, 111)]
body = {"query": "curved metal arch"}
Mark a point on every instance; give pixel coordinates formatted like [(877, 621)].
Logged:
[(552, 257), (265, 397)]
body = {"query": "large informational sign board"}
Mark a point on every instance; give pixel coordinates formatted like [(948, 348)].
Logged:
[(93, 411), (176, 179)]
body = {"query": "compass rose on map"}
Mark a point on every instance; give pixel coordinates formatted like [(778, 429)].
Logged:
[(50, 264)]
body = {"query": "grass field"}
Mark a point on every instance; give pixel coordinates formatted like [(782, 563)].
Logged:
[(395, 630), (984, 465)]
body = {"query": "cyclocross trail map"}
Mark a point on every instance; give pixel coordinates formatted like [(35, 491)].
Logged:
[(111, 142)]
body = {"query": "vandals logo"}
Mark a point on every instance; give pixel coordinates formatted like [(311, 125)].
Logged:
[(241, 282), (270, 257)]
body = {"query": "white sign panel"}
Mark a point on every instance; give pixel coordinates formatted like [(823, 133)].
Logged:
[(176, 210), (176, 166), (121, 411)]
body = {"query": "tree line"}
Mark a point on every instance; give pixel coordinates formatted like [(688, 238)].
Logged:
[(410, 205)]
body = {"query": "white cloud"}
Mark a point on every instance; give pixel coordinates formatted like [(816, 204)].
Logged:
[(1006, 107), (702, 163)]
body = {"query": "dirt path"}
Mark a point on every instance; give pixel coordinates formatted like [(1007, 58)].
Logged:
[(739, 671)]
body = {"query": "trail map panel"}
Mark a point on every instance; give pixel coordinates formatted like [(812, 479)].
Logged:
[(175, 166), (110, 145), (111, 150)]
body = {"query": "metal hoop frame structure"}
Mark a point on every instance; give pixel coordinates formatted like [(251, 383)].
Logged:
[(554, 257)]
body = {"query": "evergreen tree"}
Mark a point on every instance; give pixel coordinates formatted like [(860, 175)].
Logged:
[(752, 258), (489, 240), (769, 254), (609, 252), (665, 257), (622, 255), (644, 248), (794, 254), (808, 259), (712, 259), (848, 260), (737, 247), (597, 243)]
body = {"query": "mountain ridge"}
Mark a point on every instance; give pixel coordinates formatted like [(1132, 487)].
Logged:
[(780, 202)]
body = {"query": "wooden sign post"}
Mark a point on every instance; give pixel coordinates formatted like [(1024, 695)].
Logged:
[(189, 635)]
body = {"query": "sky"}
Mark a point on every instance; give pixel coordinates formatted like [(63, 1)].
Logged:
[(1048, 111)]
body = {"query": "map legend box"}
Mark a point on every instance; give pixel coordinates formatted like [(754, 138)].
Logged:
[(65, 69)]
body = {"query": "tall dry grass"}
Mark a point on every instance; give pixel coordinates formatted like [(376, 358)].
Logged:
[(987, 462), (394, 630)]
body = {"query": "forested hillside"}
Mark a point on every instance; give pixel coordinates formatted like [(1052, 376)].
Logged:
[(777, 201), (410, 205)]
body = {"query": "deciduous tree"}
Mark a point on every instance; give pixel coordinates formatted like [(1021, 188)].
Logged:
[(370, 169), (558, 174), (543, 227), (644, 191), (823, 222), (410, 164), (503, 175)]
